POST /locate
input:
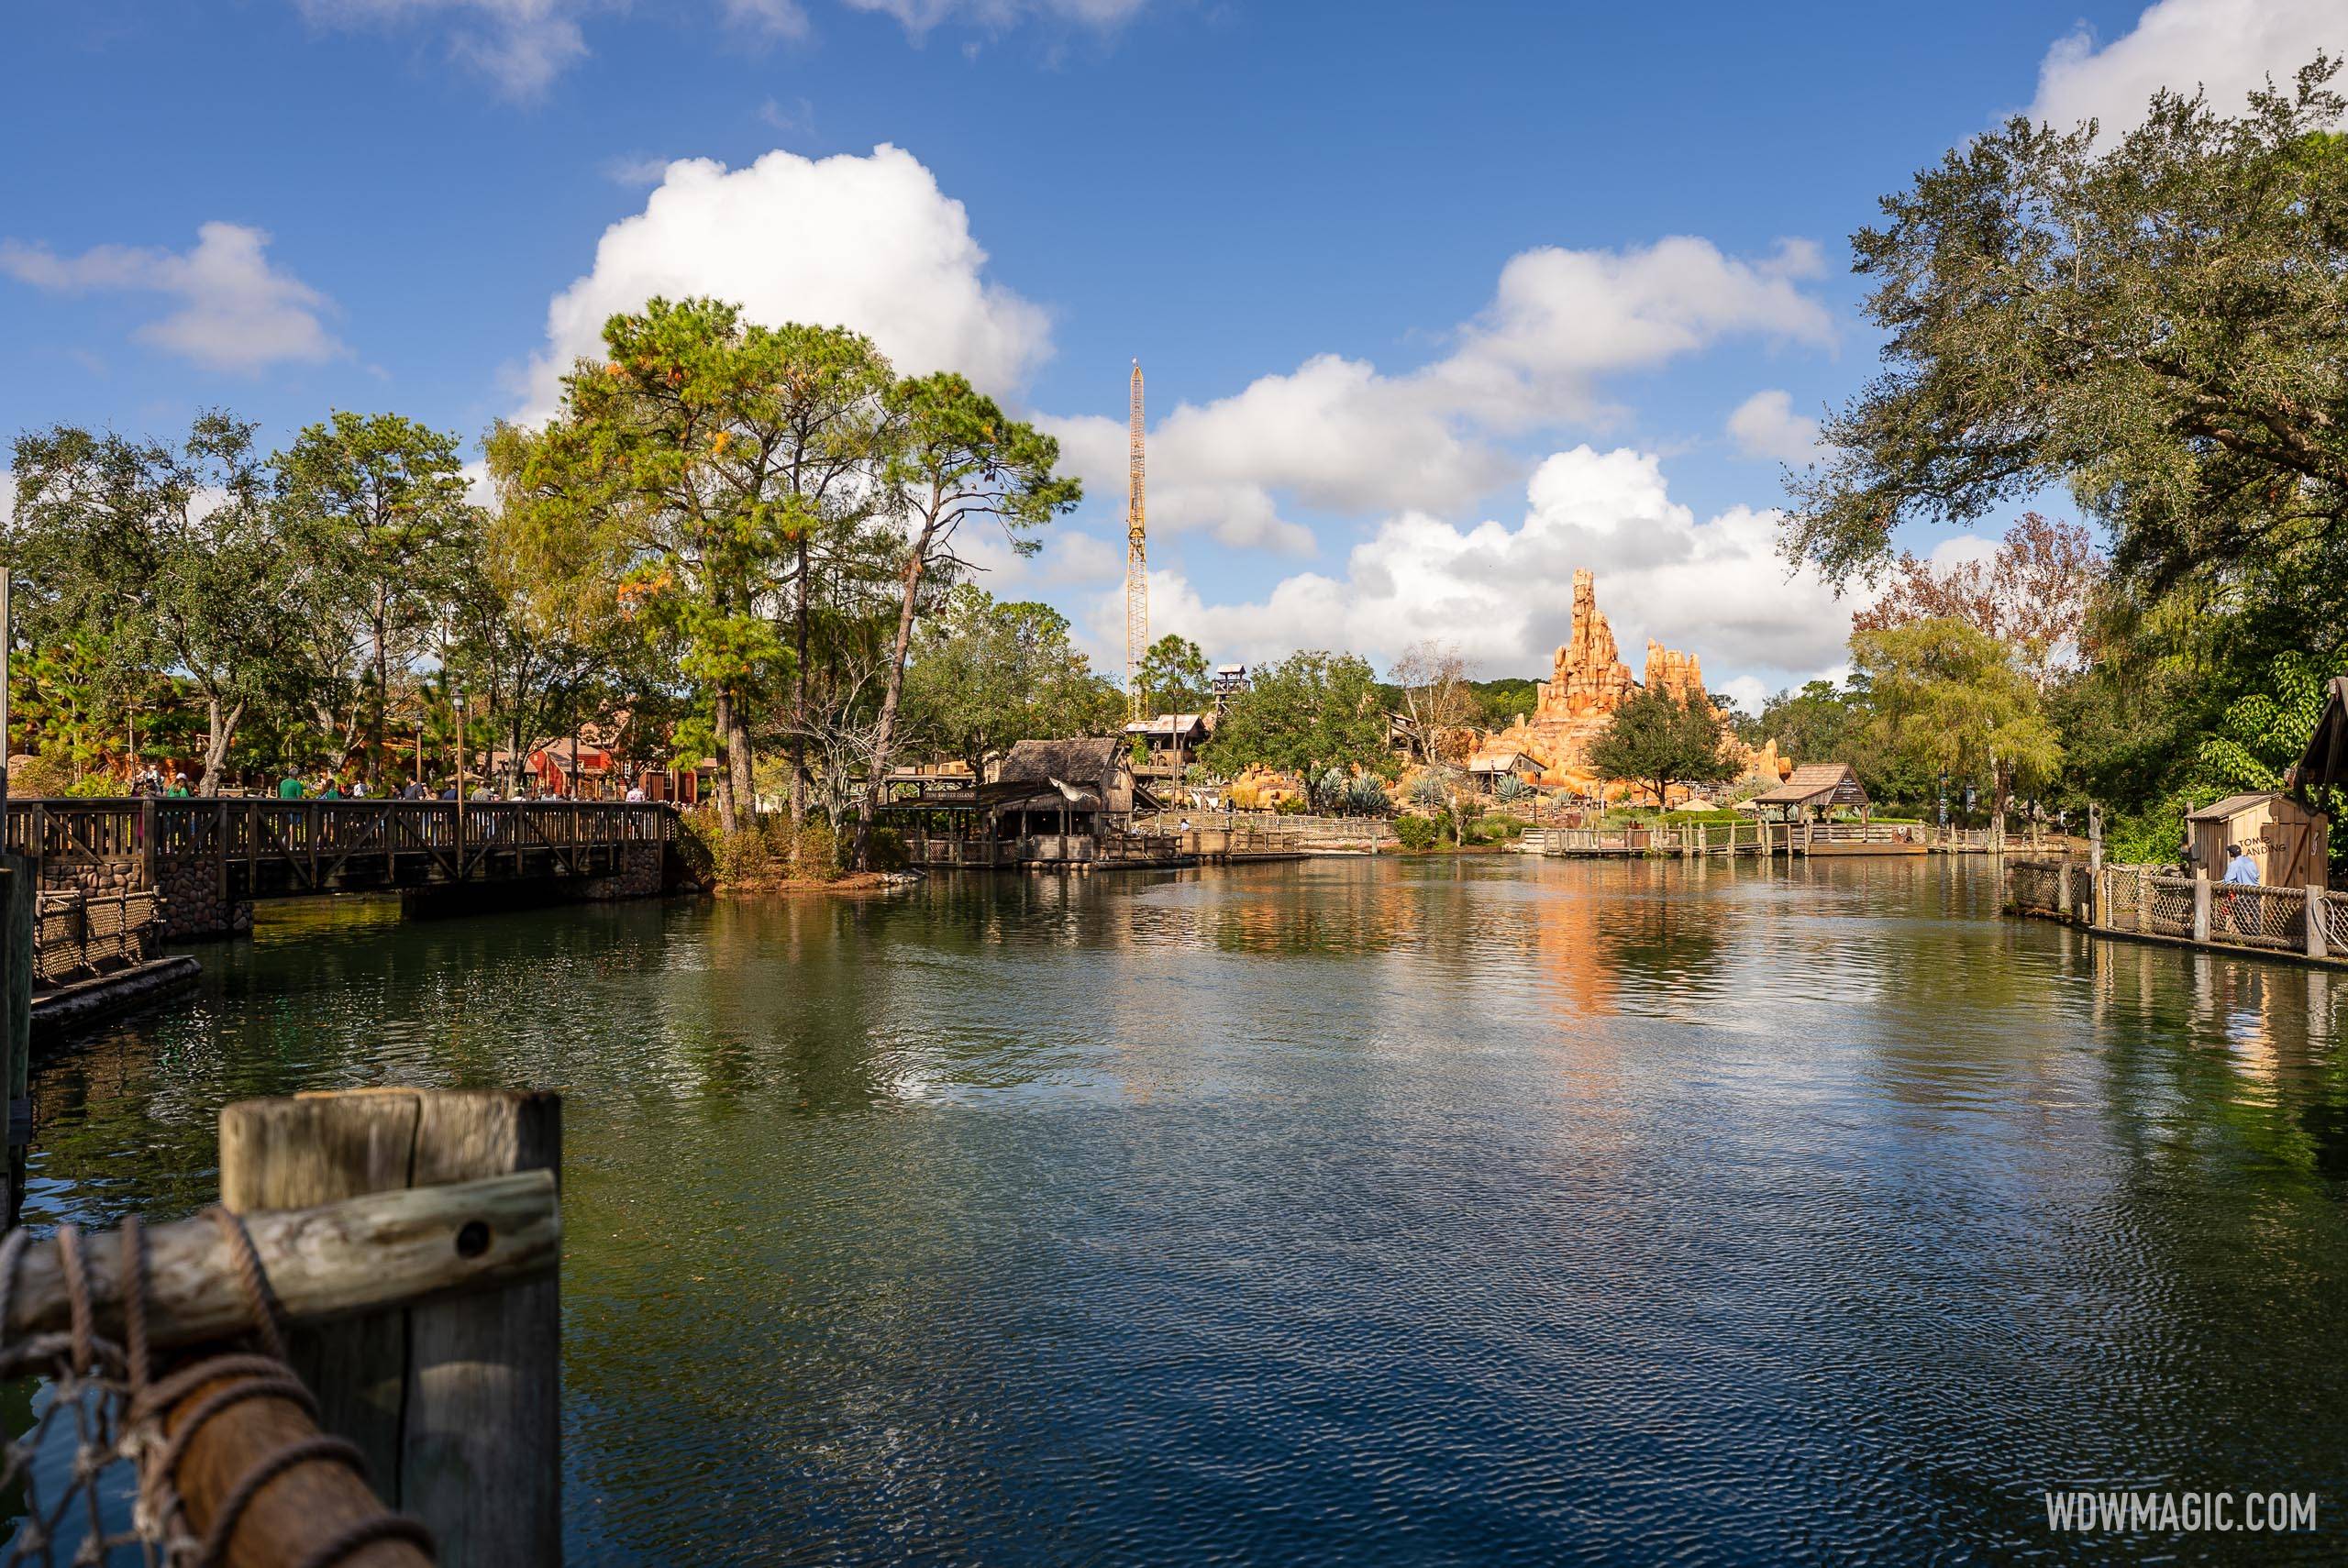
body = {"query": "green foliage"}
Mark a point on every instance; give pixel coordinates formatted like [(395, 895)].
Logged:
[(1366, 796), (1173, 677), (2157, 322), (2264, 730), (1499, 704), (954, 457), (1312, 713), (1511, 790), (886, 850), (43, 773), (135, 557), (983, 675), (1416, 833), (1813, 724), (670, 489), (1659, 741), (380, 525), (769, 850), (1944, 696)]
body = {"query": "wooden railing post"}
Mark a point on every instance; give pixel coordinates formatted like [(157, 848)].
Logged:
[(2312, 911), (2200, 908), (456, 1403)]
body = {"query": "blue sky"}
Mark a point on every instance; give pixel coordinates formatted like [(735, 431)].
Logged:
[(1449, 298)]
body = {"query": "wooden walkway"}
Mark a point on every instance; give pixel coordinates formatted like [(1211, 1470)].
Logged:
[(209, 858)]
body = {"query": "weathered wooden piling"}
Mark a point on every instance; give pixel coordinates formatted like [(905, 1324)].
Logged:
[(17, 920), (244, 1466), (455, 1402)]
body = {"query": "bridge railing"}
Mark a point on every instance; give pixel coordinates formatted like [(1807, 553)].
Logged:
[(188, 828)]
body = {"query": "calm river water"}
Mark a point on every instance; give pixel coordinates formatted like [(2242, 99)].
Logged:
[(1383, 1211)]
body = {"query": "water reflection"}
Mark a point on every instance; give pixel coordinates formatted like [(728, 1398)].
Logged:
[(1476, 1210)]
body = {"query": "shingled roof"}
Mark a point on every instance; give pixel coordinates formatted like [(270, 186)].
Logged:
[(1816, 784), (1091, 759)]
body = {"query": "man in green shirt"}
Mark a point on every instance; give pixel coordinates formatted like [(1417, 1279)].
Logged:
[(290, 788)]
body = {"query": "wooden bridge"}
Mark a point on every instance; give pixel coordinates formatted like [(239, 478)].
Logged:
[(208, 859)]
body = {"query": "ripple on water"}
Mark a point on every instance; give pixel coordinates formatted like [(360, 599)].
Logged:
[(1417, 1212)]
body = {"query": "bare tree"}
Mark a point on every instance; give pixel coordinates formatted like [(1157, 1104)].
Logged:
[(1436, 697), (2031, 595)]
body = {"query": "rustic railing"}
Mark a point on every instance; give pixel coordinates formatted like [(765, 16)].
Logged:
[(2144, 900), (1276, 828), (177, 828), (77, 936)]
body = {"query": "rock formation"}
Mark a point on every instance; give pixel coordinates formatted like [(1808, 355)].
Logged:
[(1587, 677), (1677, 673), (1588, 681)]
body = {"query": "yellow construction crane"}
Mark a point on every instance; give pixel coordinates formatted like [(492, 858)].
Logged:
[(1137, 568)]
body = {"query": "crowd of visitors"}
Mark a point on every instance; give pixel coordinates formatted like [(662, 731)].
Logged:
[(333, 785)]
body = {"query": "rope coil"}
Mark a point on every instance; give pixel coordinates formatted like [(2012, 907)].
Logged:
[(121, 1411)]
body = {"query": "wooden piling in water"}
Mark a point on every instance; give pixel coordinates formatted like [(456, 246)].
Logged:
[(456, 1403), (17, 924)]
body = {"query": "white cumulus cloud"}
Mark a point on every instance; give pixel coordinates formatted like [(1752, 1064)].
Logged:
[(1070, 558), (1765, 426), (868, 243), (1715, 588), (2230, 47), (234, 310), (1339, 435)]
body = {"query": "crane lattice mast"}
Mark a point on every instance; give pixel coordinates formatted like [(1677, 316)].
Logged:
[(1136, 566)]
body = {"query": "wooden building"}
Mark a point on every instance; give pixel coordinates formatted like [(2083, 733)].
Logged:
[(1043, 802), (2290, 842), (1805, 801), (1814, 790), (1171, 740), (1487, 768)]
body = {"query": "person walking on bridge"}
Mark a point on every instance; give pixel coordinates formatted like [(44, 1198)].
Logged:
[(290, 787)]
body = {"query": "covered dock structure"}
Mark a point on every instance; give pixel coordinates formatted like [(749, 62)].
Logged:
[(1815, 789), (1044, 804)]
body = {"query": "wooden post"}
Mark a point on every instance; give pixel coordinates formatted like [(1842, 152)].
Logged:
[(455, 1402), (23, 919), (2099, 908), (2314, 914), (2200, 908), (2144, 901)]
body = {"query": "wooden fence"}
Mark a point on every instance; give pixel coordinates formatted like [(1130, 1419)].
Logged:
[(2143, 900)]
